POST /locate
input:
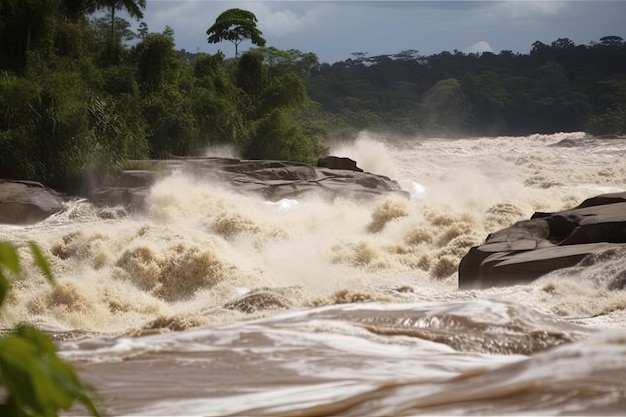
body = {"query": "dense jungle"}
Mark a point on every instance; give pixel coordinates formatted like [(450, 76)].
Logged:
[(81, 92)]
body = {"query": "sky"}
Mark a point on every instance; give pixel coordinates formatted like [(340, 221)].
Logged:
[(334, 30)]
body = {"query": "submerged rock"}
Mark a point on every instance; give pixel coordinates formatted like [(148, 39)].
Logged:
[(258, 301), (27, 202), (531, 248)]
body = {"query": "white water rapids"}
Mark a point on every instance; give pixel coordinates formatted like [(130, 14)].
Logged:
[(216, 303)]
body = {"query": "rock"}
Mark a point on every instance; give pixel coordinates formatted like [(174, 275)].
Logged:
[(547, 242), (587, 141), (136, 178), (274, 180), (259, 300), (27, 202), (133, 198), (336, 162)]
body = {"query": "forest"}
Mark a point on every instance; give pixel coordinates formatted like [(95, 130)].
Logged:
[(81, 93), (558, 87)]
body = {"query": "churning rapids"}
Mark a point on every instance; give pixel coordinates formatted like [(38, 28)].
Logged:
[(215, 303)]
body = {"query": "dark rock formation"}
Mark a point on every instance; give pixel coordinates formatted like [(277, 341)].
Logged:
[(547, 242), (26, 202), (274, 180), (337, 162)]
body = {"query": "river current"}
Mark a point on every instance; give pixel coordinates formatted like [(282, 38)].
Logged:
[(216, 303)]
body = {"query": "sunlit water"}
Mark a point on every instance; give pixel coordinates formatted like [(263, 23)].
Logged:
[(216, 303)]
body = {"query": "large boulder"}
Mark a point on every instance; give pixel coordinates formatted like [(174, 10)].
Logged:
[(26, 202), (531, 248), (338, 162), (274, 180)]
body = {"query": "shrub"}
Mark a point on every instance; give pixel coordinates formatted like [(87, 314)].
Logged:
[(36, 380)]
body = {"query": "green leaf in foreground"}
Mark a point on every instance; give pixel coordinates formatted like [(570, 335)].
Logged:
[(9, 258), (4, 287), (34, 380), (40, 261), (38, 381)]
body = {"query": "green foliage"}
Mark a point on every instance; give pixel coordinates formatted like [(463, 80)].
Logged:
[(9, 260), (611, 121), (272, 101), (445, 108), (172, 127), (157, 62), (557, 87), (487, 98), (37, 382), (17, 95), (252, 74), (134, 8), (235, 26), (277, 136), (290, 61), (122, 31), (25, 25), (60, 124)]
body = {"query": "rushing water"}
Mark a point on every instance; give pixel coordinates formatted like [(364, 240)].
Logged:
[(216, 303)]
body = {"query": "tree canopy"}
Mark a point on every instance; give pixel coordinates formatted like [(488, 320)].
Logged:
[(76, 104), (235, 26)]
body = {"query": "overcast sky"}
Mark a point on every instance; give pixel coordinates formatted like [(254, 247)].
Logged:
[(335, 29)]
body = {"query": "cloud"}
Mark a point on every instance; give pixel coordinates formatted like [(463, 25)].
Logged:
[(478, 48), (333, 29), (281, 19), (529, 8)]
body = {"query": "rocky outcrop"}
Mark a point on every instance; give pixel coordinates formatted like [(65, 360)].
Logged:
[(274, 180), (336, 162), (547, 242), (26, 202)]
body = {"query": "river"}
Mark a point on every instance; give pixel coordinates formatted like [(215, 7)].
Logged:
[(216, 303)]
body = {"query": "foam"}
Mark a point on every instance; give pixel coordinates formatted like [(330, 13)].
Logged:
[(200, 243)]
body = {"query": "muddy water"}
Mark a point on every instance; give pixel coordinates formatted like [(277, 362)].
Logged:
[(216, 303)]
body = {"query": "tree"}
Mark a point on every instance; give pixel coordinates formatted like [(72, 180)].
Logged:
[(235, 26), (25, 26), (133, 8), (121, 28), (292, 60), (445, 107), (611, 41), (157, 61), (143, 30)]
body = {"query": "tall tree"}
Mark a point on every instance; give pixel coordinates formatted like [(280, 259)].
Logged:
[(235, 26), (133, 8), (25, 25)]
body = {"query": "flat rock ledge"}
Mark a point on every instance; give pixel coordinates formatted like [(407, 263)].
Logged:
[(531, 248), (27, 202), (273, 180)]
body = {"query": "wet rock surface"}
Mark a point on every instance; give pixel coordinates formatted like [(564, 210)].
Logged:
[(274, 180), (531, 248), (27, 202)]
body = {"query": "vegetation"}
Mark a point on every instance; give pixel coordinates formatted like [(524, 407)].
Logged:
[(36, 381), (556, 87), (76, 102), (235, 26)]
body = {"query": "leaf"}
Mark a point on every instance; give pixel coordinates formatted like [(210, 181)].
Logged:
[(9, 258), (4, 287), (41, 261), (36, 378)]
